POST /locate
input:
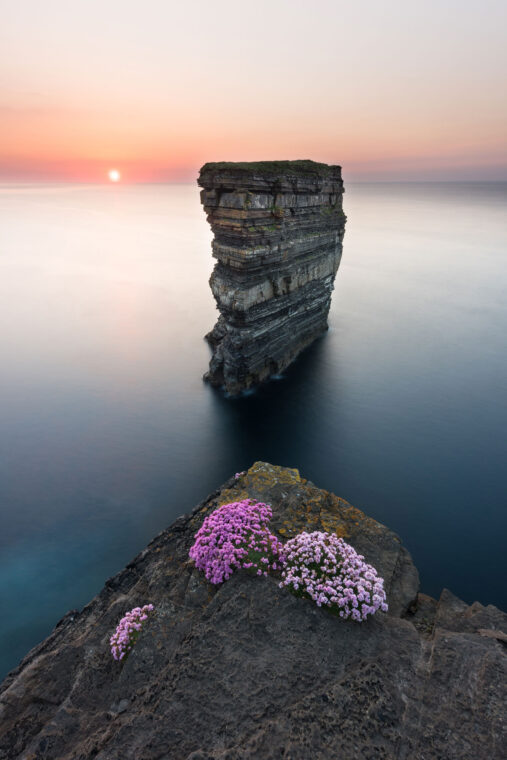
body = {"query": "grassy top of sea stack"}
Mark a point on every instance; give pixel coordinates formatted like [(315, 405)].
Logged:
[(303, 168)]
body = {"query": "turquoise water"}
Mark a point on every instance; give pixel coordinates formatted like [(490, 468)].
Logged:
[(107, 432)]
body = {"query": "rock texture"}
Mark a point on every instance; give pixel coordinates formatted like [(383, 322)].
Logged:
[(278, 229), (246, 670)]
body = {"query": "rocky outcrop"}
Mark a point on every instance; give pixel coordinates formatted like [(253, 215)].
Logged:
[(246, 670), (278, 229)]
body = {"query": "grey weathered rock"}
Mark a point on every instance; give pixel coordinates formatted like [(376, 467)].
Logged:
[(278, 228), (246, 670)]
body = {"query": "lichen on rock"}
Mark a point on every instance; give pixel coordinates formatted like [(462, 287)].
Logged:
[(278, 229)]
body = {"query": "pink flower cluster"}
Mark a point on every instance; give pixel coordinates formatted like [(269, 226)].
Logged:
[(128, 630), (236, 536), (324, 568)]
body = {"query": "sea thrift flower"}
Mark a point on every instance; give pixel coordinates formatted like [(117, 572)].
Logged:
[(128, 630), (236, 536), (239, 474), (324, 568)]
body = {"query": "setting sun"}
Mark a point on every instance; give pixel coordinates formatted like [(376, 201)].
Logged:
[(114, 175)]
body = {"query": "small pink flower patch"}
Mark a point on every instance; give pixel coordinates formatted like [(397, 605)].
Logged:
[(236, 536), (329, 571), (128, 630)]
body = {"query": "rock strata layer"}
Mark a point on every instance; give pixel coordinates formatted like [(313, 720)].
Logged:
[(278, 229), (245, 670)]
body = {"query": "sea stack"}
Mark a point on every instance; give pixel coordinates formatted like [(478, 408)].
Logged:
[(278, 229)]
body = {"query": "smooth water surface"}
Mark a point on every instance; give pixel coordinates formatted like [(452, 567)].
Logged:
[(107, 432)]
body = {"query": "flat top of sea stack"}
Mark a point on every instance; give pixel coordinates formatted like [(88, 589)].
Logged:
[(303, 168)]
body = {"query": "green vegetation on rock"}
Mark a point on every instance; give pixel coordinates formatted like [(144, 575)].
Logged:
[(304, 168)]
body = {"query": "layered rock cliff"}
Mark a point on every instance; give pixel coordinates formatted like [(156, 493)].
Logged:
[(246, 670), (278, 229)]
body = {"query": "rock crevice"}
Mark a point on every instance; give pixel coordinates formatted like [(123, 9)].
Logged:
[(278, 229)]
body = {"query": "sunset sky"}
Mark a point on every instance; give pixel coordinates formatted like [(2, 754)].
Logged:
[(391, 89)]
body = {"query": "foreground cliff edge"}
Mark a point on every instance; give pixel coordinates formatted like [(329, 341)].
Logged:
[(246, 670), (278, 229)]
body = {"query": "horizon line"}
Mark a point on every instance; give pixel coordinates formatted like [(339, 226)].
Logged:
[(136, 183)]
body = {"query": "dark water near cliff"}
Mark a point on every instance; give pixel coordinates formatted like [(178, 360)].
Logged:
[(107, 432)]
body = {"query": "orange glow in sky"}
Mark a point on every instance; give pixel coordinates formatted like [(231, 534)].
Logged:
[(388, 90)]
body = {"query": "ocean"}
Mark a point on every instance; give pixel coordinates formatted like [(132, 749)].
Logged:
[(107, 432)]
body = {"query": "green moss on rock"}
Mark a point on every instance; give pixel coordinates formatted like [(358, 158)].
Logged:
[(303, 168)]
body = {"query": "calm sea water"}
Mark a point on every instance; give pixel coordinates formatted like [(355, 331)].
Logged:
[(107, 432)]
